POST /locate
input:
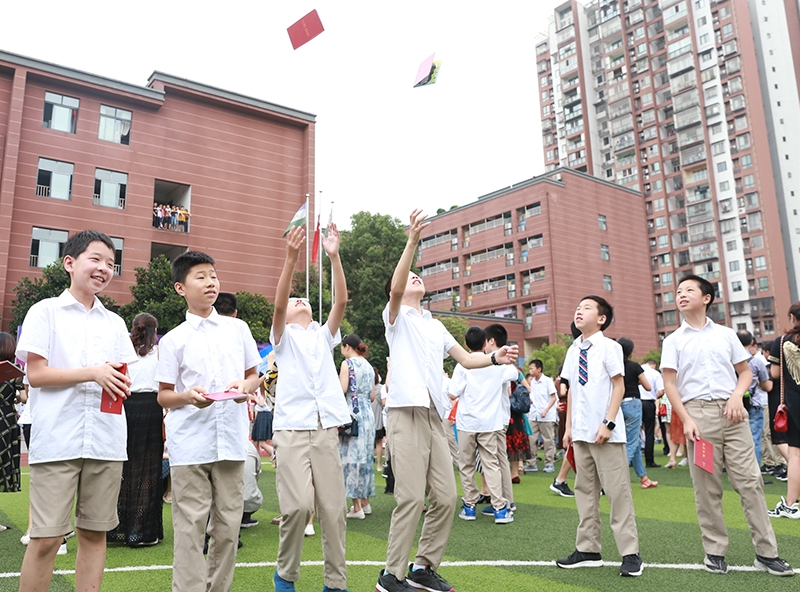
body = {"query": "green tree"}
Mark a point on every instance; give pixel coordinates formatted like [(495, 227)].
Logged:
[(53, 282), (369, 252), (154, 293), (256, 311), (551, 354), (457, 328), (653, 354)]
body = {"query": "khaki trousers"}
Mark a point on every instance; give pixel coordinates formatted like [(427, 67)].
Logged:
[(505, 467), (421, 464), (310, 474), (547, 429), (769, 453), (206, 496), (604, 466), (451, 440), (486, 443), (733, 446)]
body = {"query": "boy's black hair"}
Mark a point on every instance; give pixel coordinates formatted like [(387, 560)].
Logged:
[(183, 264), (498, 333), (603, 308), (745, 337), (475, 338), (78, 243), (627, 347), (387, 287), (226, 304), (538, 363), (574, 330), (706, 287)]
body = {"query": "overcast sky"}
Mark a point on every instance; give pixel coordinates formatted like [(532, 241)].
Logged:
[(382, 145)]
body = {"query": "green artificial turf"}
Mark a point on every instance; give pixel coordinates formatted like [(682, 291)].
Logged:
[(544, 529)]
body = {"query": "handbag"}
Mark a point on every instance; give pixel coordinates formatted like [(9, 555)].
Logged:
[(781, 423), (351, 430), (521, 400), (662, 409)]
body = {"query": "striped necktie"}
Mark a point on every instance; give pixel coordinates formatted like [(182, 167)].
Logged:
[(583, 364)]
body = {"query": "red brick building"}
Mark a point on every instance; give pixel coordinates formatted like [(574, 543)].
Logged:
[(531, 251), (81, 151)]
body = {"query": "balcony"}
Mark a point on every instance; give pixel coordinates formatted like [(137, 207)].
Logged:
[(97, 200)]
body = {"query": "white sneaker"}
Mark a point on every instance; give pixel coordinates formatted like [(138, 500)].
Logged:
[(549, 469), (356, 515), (684, 463), (367, 509), (784, 510), (25, 539), (309, 532), (62, 550)]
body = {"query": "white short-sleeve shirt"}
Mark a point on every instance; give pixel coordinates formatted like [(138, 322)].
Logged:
[(481, 393), (211, 353), (418, 344), (309, 392), (653, 376), (66, 421), (704, 360), (590, 402), (541, 393)]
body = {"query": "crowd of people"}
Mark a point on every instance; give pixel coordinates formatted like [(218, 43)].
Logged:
[(202, 398), (171, 217)]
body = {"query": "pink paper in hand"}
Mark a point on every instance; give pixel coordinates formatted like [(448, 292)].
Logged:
[(424, 69), (704, 455), (225, 396)]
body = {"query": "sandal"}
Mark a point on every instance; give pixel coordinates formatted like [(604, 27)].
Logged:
[(671, 465), (647, 483)]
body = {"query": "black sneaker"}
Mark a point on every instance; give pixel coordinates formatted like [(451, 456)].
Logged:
[(562, 489), (767, 469), (653, 465), (776, 566), (578, 559), (388, 583), (484, 499), (715, 564), (427, 579), (248, 522), (780, 473), (631, 566)]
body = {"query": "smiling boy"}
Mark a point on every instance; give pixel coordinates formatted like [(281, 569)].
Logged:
[(207, 442), (73, 347), (700, 362)]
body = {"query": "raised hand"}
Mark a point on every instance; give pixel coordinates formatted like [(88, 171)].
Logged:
[(417, 224), (331, 242), (294, 241)]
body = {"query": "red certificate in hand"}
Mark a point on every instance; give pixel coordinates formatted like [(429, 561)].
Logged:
[(305, 29), (109, 405), (704, 455), (10, 371), (225, 395), (571, 457)]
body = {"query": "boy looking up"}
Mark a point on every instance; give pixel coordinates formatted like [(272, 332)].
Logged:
[(481, 419), (207, 441), (542, 415), (596, 429), (420, 458), (699, 363), (309, 408), (73, 347)]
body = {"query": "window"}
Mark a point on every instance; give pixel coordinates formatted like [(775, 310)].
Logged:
[(754, 221), (669, 297), (607, 282), (736, 286), (118, 245), (761, 263), (763, 284), (658, 204), (769, 327), (727, 30), (47, 246), (604, 253), (734, 265), (666, 279), (115, 125), (60, 112), (722, 167), (757, 242), (730, 245), (747, 161), (109, 189), (718, 147), (601, 222), (724, 185), (661, 222), (743, 141), (54, 179), (749, 181)]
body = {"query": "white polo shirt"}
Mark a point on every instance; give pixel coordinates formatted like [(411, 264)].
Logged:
[(590, 402), (653, 376), (481, 393), (211, 353), (541, 392), (417, 345), (309, 392), (66, 421), (704, 360)]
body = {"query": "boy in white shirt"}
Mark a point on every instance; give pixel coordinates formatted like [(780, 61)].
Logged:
[(309, 408), (74, 347), (596, 429), (481, 420), (415, 403), (543, 414), (207, 440), (699, 363)]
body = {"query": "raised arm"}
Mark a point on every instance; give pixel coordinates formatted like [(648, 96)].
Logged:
[(331, 245), (294, 241), (403, 268), (507, 354)]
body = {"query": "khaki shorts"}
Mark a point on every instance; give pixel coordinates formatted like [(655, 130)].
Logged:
[(54, 486)]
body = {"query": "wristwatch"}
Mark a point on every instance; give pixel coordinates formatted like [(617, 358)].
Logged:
[(609, 424)]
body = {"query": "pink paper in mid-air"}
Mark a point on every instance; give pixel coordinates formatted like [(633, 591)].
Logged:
[(424, 69)]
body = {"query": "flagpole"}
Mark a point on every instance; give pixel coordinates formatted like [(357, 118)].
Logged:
[(321, 259), (308, 218), (330, 220)]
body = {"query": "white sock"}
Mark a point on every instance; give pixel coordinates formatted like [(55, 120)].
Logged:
[(417, 567)]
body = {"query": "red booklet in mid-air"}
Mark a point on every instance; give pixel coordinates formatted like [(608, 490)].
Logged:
[(305, 29)]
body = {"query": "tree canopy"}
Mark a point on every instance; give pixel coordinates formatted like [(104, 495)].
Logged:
[(154, 293), (551, 354)]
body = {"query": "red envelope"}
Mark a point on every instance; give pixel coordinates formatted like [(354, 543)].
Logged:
[(571, 457), (10, 371), (109, 405), (704, 455), (305, 29)]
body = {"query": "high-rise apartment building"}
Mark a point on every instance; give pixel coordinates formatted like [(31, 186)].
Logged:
[(687, 102)]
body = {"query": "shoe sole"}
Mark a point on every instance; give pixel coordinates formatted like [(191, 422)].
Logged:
[(508, 520), (590, 563), (467, 518), (714, 570), (248, 525), (631, 574), (762, 567), (418, 586), (559, 492)]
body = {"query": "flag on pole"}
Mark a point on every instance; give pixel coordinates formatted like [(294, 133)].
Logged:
[(315, 246), (298, 220)]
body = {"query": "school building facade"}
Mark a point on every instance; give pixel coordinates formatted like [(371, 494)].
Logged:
[(528, 254), (81, 151)]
